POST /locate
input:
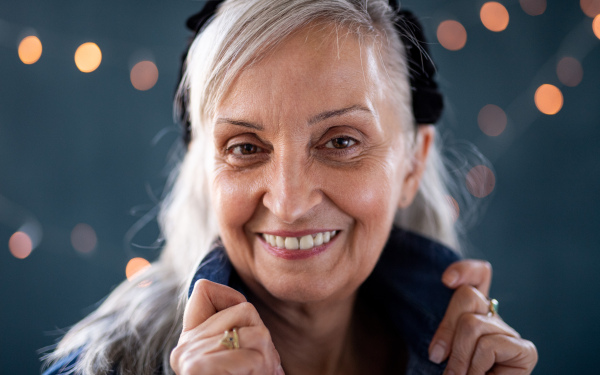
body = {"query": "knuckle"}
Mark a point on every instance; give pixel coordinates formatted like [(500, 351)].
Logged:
[(469, 323)]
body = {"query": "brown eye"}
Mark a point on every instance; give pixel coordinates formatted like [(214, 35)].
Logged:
[(245, 149), (340, 142)]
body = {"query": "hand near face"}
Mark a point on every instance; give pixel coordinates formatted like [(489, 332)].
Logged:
[(211, 310), (474, 341)]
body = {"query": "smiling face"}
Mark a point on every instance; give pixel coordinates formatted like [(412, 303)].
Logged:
[(307, 142)]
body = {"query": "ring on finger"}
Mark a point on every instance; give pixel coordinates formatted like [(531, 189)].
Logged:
[(493, 307), (230, 339)]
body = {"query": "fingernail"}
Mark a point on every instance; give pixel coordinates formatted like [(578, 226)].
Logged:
[(450, 278), (437, 353)]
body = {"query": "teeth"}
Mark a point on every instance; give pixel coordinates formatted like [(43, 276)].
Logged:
[(295, 243)]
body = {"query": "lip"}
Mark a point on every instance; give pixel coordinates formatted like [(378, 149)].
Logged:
[(295, 254), (287, 233)]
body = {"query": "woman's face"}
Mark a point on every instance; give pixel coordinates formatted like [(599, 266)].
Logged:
[(308, 143)]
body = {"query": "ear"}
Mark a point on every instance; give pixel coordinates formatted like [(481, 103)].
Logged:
[(410, 186)]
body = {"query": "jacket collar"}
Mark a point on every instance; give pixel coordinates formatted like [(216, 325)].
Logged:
[(405, 285)]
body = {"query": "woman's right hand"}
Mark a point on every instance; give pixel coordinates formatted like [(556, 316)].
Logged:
[(211, 310)]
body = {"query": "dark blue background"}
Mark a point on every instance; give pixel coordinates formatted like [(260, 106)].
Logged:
[(89, 148)]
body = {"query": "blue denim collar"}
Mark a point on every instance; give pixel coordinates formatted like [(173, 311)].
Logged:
[(405, 284)]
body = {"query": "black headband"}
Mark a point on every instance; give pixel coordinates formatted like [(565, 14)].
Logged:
[(427, 101)]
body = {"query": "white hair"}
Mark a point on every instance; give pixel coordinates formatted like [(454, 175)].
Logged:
[(138, 325)]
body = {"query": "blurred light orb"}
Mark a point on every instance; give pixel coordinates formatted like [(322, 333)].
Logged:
[(492, 120), (83, 238), (569, 71), (596, 26), (454, 207), (88, 57), (134, 266), (548, 99), (30, 50), (591, 8), (144, 75), (452, 35), (20, 245), (533, 7), (494, 16), (480, 181)]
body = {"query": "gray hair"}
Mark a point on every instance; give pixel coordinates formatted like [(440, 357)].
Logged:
[(138, 325)]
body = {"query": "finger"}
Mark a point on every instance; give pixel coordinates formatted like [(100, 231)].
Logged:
[(241, 315), (477, 273), (466, 299), (503, 355), (470, 328), (207, 299), (241, 361)]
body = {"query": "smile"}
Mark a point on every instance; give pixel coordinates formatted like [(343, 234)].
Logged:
[(299, 243)]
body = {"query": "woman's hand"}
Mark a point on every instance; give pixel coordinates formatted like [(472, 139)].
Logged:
[(211, 310), (475, 341)]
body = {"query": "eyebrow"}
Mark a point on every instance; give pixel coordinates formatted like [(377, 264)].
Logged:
[(313, 120)]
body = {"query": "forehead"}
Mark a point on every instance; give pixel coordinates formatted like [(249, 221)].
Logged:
[(318, 66)]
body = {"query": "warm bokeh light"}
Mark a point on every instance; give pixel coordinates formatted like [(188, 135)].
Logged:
[(480, 181), (596, 26), (569, 71), (548, 99), (30, 50), (452, 35), (20, 245), (454, 207), (88, 57), (492, 120), (144, 75), (591, 8), (134, 266), (494, 16), (533, 7), (83, 238)]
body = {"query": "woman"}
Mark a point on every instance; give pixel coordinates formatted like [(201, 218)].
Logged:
[(305, 157)]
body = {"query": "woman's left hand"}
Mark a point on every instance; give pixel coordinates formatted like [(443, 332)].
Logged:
[(474, 340)]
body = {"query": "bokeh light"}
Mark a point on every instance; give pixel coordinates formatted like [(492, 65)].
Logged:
[(548, 99), (452, 35), (494, 16), (480, 181), (83, 238), (30, 49), (88, 57), (492, 120), (144, 75), (134, 266), (596, 26), (454, 207), (591, 8), (20, 245), (533, 7), (569, 71)]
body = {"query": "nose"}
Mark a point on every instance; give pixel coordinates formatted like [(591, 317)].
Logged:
[(292, 192)]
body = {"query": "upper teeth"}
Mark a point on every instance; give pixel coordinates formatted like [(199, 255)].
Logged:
[(303, 243)]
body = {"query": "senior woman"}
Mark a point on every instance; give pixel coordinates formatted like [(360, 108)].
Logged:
[(307, 231)]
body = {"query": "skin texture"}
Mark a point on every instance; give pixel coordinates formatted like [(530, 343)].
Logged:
[(277, 169)]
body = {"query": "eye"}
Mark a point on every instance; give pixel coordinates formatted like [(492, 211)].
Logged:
[(340, 142), (244, 149)]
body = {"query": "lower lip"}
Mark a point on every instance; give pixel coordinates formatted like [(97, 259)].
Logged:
[(296, 254)]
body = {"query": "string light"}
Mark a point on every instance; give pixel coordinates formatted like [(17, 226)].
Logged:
[(596, 26), (144, 75), (30, 50), (20, 245), (452, 35), (480, 181), (494, 16), (548, 99), (134, 266), (492, 120), (533, 7), (569, 71), (83, 238), (88, 57), (591, 8)]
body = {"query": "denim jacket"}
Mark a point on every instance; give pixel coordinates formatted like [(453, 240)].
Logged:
[(405, 285)]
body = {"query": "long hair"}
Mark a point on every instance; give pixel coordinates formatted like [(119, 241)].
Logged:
[(137, 326)]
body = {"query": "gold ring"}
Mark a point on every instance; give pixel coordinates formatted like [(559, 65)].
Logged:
[(230, 340), (493, 307)]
